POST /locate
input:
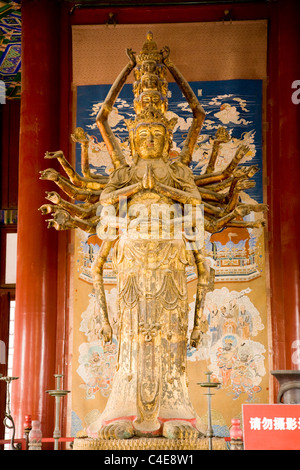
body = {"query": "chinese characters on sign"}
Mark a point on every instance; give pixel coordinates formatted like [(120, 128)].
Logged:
[(277, 423), (271, 427)]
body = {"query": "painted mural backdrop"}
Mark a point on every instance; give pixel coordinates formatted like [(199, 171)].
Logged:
[(236, 344), (10, 49)]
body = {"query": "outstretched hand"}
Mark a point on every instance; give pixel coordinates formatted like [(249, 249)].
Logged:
[(195, 338), (46, 209), (53, 196), (244, 149), (165, 53), (131, 56), (49, 174), (106, 333), (57, 154)]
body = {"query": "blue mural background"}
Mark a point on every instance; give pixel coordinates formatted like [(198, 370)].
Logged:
[(234, 104)]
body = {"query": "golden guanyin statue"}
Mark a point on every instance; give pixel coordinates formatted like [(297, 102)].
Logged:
[(148, 213)]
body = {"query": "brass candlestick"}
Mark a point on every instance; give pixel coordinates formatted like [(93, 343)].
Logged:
[(8, 419), (58, 394), (209, 385)]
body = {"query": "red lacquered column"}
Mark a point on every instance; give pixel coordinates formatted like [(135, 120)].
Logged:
[(289, 127), (36, 288), (284, 185)]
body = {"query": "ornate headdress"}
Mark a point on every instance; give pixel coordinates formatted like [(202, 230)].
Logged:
[(150, 90)]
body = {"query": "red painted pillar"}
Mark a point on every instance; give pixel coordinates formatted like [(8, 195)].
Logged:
[(289, 127), (284, 187), (36, 286)]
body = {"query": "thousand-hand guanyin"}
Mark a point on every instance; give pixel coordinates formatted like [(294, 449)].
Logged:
[(147, 212)]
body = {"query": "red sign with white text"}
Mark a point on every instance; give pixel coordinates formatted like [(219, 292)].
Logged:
[(271, 427)]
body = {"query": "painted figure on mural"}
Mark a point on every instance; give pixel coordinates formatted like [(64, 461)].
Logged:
[(148, 213)]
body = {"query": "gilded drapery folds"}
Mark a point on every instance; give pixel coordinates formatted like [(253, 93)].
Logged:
[(150, 381)]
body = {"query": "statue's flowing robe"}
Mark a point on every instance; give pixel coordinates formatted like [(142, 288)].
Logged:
[(150, 384)]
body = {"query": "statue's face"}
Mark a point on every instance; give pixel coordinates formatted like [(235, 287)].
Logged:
[(151, 98), (150, 140), (149, 81), (149, 66)]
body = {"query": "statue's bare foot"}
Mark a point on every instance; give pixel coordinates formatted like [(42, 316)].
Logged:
[(121, 429), (179, 429)]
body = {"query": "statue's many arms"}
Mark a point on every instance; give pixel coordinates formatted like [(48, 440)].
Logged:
[(149, 395)]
